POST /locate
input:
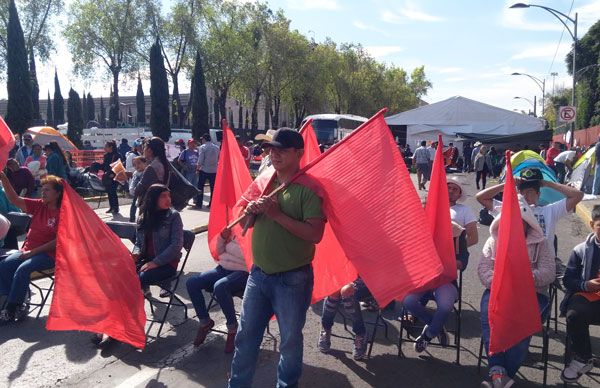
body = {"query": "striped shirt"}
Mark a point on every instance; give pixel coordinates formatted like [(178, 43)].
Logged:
[(421, 155)]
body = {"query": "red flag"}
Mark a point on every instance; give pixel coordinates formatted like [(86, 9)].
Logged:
[(97, 288), (7, 142), (311, 145), (232, 180), (437, 210), (513, 310)]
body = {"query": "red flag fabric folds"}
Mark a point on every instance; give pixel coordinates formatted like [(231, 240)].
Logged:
[(7, 142), (513, 309), (97, 288), (437, 210), (233, 178), (311, 145)]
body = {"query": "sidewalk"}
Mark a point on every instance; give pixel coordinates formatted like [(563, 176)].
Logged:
[(584, 210)]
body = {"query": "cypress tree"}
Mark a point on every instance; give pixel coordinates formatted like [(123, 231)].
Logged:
[(74, 117), (35, 87), (102, 114), (59, 102), (199, 101), (140, 103), (19, 110), (91, 116), (240, 116), (159, 94), (84, 107), (113, 114), (49, 119)]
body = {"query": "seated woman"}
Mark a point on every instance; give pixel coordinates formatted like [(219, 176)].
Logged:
[(226, 279), (349, 295), (38, 251), (444, 295), (159, 238), (504, 366)]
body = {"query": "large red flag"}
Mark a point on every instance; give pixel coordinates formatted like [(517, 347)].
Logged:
[(437, 210), (97, 288), (373, 210), (513, 310), (311, 145), (233, 178), (7, 142)]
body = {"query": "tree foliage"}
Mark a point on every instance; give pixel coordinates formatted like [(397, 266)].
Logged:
[(159, 94), (140, 103), (59, 102), (91, 108), (199, 101), (49, 113), (75, 118)]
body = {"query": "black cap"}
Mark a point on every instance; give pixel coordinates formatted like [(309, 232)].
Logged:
[(286, 138), (531, 174)]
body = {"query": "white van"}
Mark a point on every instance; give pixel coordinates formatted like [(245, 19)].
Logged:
[(331, 127)]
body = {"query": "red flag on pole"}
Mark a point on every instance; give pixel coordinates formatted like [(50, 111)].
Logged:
[(513, 310), (7, 142), (233, 178), (311, 145), (437, 210), (97, 288)]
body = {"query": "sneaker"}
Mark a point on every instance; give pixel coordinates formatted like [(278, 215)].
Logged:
[(443, 338), (203, 332), (498, 381), (422, 341), (575, 370), (230, 342), (360, 347), (325, 341), (22, 312), (6, 317)]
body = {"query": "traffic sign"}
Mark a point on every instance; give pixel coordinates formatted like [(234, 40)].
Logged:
[(566, 114)]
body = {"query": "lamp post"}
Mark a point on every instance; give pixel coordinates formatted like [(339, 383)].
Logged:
[(541, 84), (529, 101), (563, 19)]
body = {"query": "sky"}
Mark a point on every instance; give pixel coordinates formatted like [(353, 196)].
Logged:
[(468, 47)]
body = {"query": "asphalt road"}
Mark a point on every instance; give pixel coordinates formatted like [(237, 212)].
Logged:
[(34, 357)]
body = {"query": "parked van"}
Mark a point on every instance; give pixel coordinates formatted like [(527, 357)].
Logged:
[(331, 127)]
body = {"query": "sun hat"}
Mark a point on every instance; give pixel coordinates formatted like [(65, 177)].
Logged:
[(265, 136), (458, 182)]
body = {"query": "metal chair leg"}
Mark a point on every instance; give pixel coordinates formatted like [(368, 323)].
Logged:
[(45, 299), (480, 358), (400, 333), (374, 333)]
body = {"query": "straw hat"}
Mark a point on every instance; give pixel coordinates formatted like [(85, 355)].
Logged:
[(265, 136), (458, 182)]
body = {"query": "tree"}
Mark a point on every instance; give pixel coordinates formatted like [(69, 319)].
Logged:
[(74, 117), (91, 108), (49, 119), (84, 109), (159, 94), (35, 88), (19, 110), (108, 31), (102, 114), (140, 103), (199, 101), (36, 20), (59, 102)]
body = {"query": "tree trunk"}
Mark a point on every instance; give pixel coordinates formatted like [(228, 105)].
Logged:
[(240, 116), (223, 103), (175, 103), (254, 125), (35, 89), (267, 113), (217, 118), (114, 107), (275, 112)]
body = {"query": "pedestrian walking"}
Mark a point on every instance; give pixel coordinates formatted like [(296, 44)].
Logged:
[(421, 159), (208, 159), (483, 166)]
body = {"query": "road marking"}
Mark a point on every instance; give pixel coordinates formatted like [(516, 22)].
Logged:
[(138, 378)]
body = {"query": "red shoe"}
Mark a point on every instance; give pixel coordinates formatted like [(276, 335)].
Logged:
[(230, 342), (203, 332)]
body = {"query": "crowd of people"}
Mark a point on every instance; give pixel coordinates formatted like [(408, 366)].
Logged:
[(286, 229)]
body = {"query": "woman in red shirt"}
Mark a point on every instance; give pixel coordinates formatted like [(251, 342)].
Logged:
[(38, 251)]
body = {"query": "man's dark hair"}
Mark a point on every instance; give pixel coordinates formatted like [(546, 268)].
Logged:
[(536, 185), (206, 137), (596, 213), (423, 143)]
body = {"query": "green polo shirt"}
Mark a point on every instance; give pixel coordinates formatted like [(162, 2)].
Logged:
[(274, 249)]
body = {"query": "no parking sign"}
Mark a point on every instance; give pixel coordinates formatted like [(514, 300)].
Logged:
[(566, 114)]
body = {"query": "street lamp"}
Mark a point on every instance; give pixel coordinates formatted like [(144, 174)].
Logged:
[(563, 19), (541, 84), (529, 101)]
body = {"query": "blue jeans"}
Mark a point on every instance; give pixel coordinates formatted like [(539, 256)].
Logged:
[(509, 361), (351, 305), (156, 275), (192, 177), (224, 283), (287, 295), (445, 296), (596, 187), (132, 210), (15, 275)]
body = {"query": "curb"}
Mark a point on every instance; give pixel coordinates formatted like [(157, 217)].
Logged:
[(200, 229), (584, 214)]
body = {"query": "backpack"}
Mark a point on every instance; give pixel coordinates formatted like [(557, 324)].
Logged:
[(181, 189), (485, 218)]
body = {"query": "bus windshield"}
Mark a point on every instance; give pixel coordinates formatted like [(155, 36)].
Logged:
[(325, 130)]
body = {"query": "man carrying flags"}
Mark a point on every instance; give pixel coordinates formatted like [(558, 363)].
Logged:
[(286, 229)]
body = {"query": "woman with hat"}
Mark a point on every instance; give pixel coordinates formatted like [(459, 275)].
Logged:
[(504, 366), (460, 213)]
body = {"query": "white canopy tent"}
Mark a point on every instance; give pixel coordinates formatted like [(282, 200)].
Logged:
[(461, 115)]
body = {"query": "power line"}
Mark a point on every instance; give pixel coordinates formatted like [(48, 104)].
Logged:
[(560, 40)]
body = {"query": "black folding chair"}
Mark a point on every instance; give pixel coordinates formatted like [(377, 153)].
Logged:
[(170, 286), (546, 317), (213, 302), (407, 326), (123, 229)]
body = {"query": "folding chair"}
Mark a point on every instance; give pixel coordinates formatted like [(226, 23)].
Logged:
[(405, 326), (379, 322), (124, 230), (546, 317), (95, 187), (170, 286), (213, 302)]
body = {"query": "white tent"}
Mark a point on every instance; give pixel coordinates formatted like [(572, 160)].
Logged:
[(461, 115)]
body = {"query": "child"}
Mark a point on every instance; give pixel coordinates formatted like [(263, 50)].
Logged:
[(582, 300), (139, 163)]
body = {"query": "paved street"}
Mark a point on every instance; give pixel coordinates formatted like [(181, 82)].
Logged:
[(34, 357)]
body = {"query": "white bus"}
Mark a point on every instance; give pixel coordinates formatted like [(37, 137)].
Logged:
[(331, 127)]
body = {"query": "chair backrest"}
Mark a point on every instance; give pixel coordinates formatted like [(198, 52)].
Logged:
[(19, 222), (125, 230), (96, 183), (188, 241)]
